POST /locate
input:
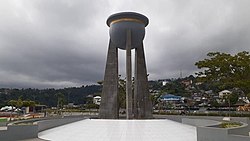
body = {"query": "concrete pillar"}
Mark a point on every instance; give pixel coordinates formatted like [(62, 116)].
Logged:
[(142, 101), (109, 101), (129, 94)]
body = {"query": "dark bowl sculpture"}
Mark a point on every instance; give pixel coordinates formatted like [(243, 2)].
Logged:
[(120, 23)]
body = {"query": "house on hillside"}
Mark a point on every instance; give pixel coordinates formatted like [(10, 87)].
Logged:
[(187, 82), (224, 93), (171, 98), (97, 100)]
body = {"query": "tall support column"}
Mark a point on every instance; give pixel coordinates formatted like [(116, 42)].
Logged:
[(109, 103), (142, 102), (129, 94)]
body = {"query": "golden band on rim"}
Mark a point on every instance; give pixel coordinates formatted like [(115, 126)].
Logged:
[(127, 20)]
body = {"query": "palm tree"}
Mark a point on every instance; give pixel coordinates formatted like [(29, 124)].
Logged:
[(29, 103), (12, 103), (60, 101)]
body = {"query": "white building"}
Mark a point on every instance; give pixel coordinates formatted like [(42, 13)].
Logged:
[(164, 83), (224, 93), (97, 100)]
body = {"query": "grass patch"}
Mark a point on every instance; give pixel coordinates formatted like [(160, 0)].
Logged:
[(229, 124), (3, 119)]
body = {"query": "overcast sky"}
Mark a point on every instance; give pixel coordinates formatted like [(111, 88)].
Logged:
[(63, 43)]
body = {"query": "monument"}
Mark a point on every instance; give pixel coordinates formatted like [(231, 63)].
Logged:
[(127, 31)]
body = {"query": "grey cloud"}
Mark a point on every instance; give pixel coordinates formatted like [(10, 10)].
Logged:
[(64, 43)]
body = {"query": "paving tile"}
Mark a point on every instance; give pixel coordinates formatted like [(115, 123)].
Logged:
[(121, 130)]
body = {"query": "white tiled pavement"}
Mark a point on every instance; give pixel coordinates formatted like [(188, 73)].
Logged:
[(121, 130)]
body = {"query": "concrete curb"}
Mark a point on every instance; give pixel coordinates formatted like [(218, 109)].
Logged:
[(207, 128), (16, 132)]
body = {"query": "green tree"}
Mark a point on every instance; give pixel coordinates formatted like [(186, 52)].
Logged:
[(226, 71), (232, 99), (12, 103), (214, 103), (122, 93), (155, 99), (26, 103), (121, 90), (176, 87), (19, 103), (29, 103), (60, 100)]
